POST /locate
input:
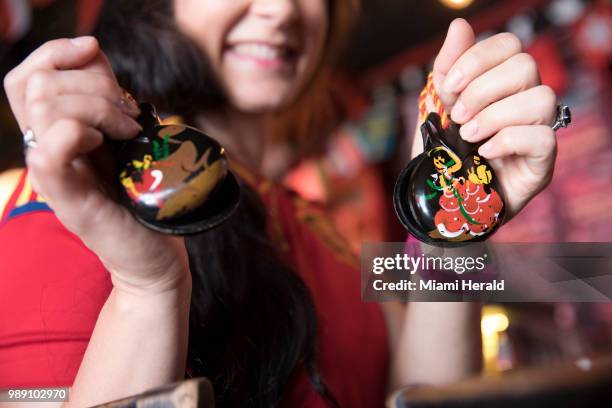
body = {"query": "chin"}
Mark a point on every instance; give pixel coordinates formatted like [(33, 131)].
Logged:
[(258, 99), (258, 106)]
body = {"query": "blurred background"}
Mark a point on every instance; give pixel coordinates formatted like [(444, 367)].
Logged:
[(352, 171)]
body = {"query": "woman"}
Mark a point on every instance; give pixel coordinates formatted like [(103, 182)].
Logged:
[(275, 318)]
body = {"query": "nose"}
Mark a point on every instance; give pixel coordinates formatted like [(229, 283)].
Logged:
[(280, 11)]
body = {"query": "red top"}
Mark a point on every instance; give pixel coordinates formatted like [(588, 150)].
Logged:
[(52, 289)]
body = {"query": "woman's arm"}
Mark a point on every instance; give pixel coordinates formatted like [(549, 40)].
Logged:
[(66, 93), (439, 343), (493, 90), (139, 343)]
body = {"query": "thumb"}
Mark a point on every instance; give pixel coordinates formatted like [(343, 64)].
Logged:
[(60, 54), (100, 65), (459, 39)]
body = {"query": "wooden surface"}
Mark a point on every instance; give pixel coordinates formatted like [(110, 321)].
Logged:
[(585, 382)]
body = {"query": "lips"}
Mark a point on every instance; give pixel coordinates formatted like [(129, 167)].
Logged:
[(263, 54)]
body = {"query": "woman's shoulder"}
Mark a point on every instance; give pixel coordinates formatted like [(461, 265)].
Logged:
[(53, 285), (9, 182)]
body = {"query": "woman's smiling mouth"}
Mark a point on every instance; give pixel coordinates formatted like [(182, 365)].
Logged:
[(263, 55)]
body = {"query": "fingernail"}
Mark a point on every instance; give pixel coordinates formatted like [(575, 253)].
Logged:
[(129, 105), (80, 41), (459, 111), (469, 130), (452, 80), (485, 149)]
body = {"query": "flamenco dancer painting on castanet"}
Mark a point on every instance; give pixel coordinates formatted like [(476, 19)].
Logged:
[(469, 207), (449, 194)]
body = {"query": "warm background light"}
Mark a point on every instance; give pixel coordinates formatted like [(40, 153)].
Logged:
[(494, 323), (456, 4)]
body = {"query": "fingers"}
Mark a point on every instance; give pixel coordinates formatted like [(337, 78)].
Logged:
[(48, 84), (66, 140), (524, 158), (61, 54), (473, 63), (54, 158), (93, 111), (479, 59), (535, 106), (100, 64), (53, 55), (459, 39), (518, 73), (537, 143), (61, 173)]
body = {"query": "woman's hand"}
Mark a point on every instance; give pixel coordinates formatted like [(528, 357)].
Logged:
[(493, 90), (67, 94)]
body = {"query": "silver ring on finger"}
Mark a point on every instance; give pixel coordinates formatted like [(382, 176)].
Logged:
[(563, 118), (29, 140)]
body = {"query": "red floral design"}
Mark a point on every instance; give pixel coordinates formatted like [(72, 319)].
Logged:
[(482, 209)]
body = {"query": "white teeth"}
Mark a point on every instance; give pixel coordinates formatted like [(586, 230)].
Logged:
[(259, 51)]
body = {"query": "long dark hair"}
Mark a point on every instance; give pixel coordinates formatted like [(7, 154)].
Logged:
[(252, 321)]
